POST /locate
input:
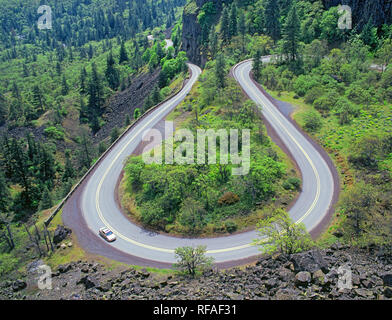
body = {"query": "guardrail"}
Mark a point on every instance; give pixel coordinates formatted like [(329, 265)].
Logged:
[(130, 127)]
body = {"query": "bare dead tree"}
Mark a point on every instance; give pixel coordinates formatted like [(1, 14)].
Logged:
[(36, 232), (50, 240), (46, 241), (34, 241), (28, 232), (10, 236)]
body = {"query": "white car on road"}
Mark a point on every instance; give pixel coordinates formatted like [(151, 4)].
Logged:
[(107, 234)]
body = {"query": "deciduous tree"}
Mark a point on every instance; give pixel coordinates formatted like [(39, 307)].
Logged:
[(192, 260), (280, 234)]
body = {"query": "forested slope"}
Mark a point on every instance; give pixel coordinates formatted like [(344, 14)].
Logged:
[(339, 82), (338, 79), (66, 93)]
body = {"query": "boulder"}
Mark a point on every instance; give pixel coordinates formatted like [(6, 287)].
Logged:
[(310, 261), (271, 283), (388, 292), (61, 233), (63, 268), (303, 278), (18, 285), (285, 274), (104, 287), (85, 269), (144, 273), (364, 293), (319, 278), (286, 294), (387, 279), (88, 282)]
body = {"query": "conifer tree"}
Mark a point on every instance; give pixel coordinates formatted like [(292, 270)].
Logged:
[(272, 16), (69, 171), (3, 109), (114, 134), (111, 73), (257, 65), (156, 96), (46, 201), (213, 43), (127, 120), (95, 91), (242, 29), (123, 53), (64, 86), (83, 78), (220, 72), (233, 23), (291, 34), (136, 114), (5, 196), (225, 25), (37, 98)]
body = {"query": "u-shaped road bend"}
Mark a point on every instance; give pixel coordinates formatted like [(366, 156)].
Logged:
[(94, 204)]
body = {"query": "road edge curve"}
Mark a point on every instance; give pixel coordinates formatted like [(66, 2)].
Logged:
[(316, 231)]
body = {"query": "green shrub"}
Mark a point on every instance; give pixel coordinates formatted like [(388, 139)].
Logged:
[(304, 83), (326, 102), (231, 226), (54, 133), (287, 185), (313, 94), (388, 94), (292, 184), (7, 263), (312, 121), (346, 110)]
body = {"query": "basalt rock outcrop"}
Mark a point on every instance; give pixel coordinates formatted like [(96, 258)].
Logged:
[(191, 30), (312, 275), (380, 11)]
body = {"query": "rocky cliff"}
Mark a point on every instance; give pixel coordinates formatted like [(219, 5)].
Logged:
[(191, 36), (191, 31), (312, 275), (379, 10)]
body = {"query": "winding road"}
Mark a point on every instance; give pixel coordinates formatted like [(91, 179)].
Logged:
[(94, 204)]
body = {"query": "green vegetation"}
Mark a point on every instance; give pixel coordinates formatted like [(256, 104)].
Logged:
[(59, 80), (207, 199), (279, 234), (55, 87), (54, 91), (192, 260), (344, 99), (346, 106)]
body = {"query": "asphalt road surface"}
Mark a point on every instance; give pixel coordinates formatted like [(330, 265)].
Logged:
[(97, 199)]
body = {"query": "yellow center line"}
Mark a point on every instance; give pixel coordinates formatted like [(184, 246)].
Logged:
[(209, 251), (106, 173), (299, 146)]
